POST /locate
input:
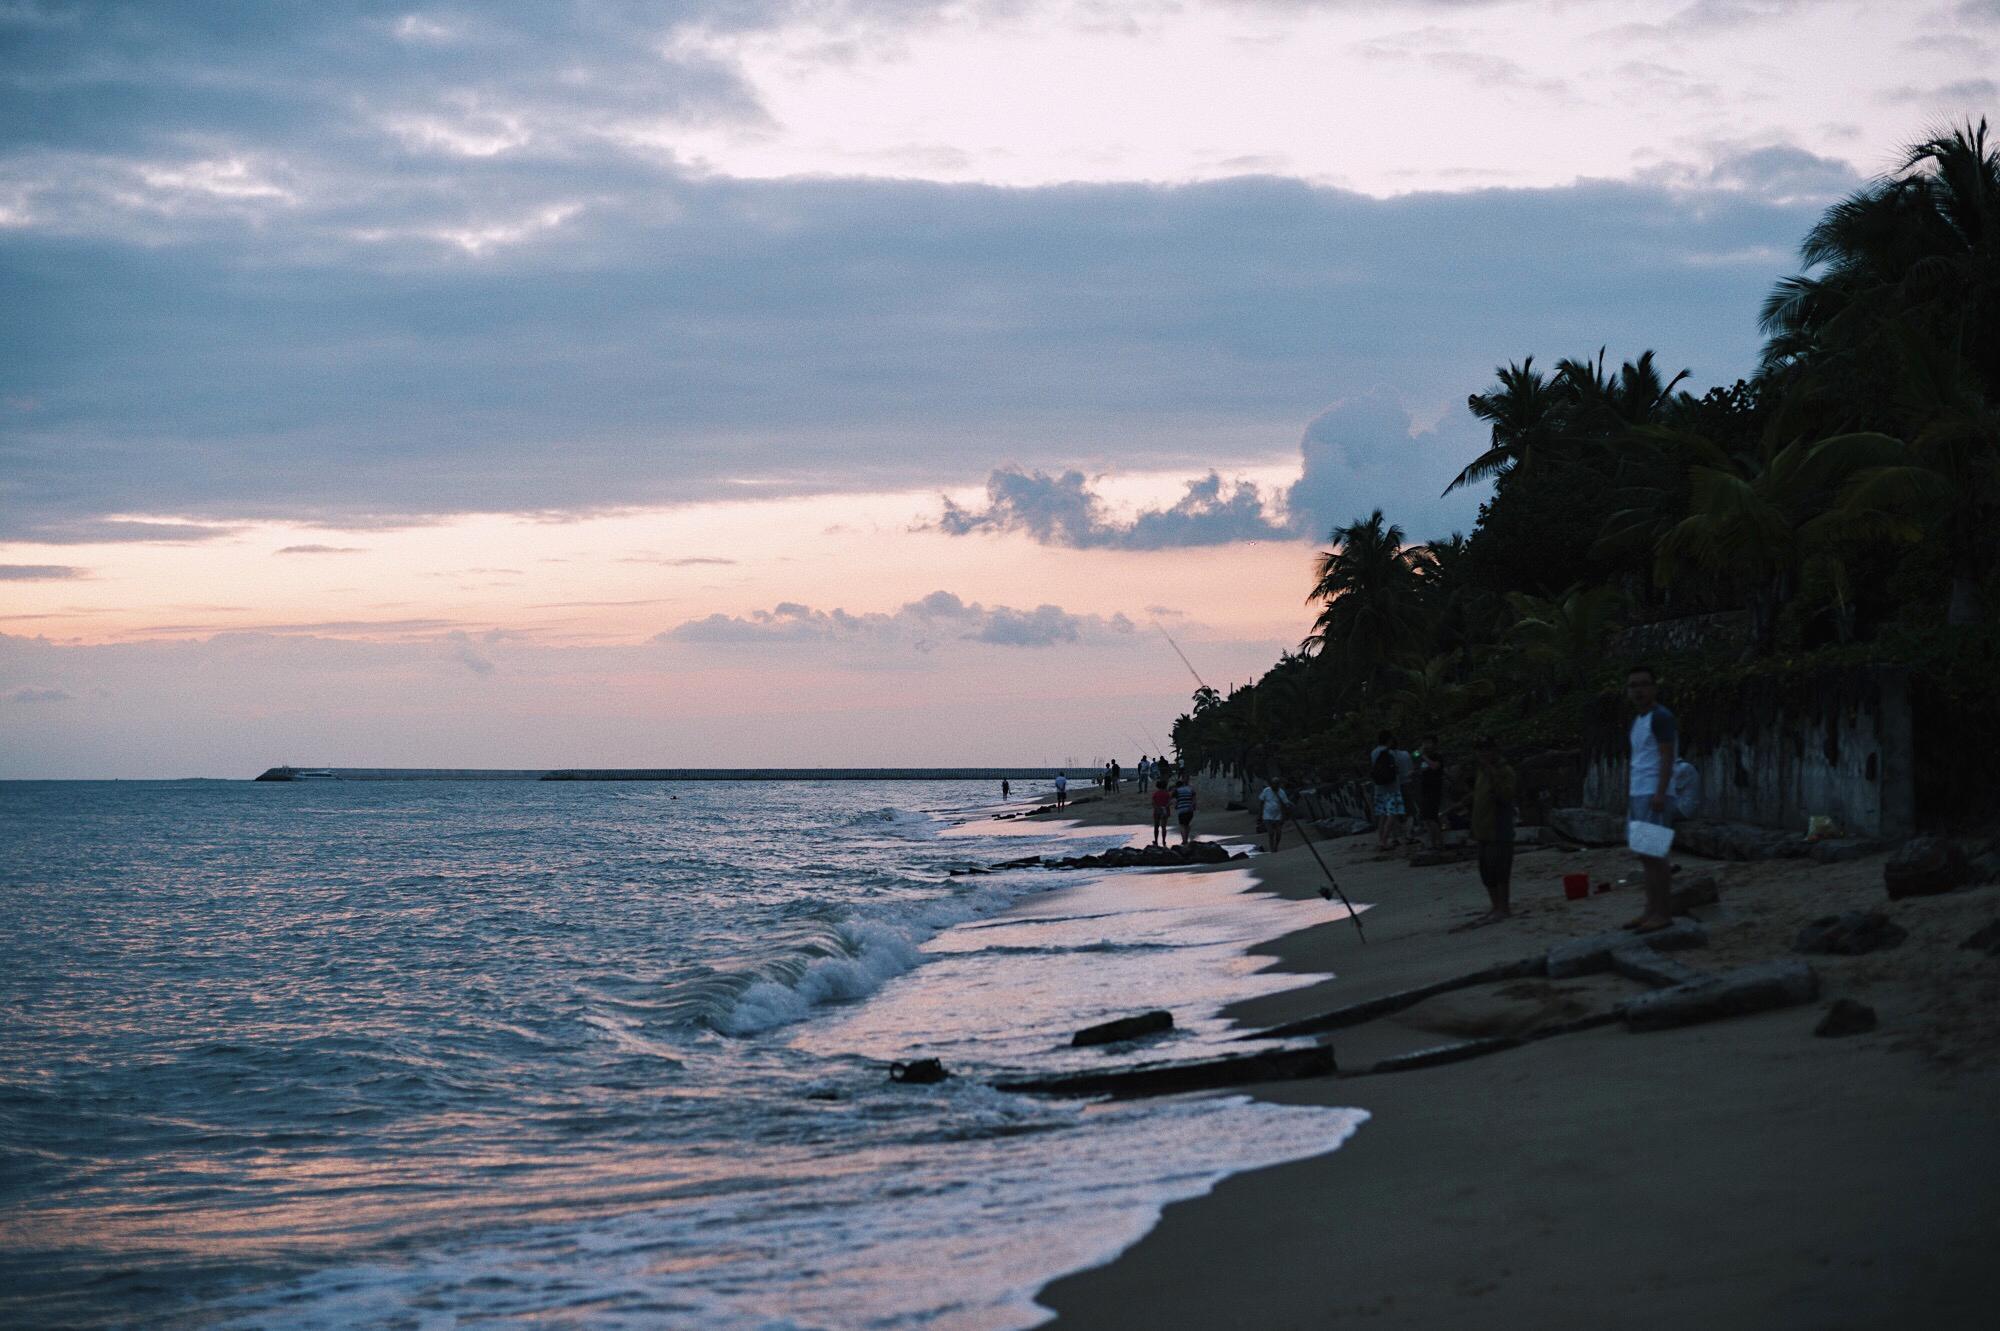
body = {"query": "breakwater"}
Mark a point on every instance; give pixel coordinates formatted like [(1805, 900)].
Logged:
[(673, 774)]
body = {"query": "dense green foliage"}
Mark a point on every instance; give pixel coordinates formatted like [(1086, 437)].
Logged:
[(1843, 505)]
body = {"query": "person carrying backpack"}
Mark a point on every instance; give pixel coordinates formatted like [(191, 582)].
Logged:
[(1386, 775)]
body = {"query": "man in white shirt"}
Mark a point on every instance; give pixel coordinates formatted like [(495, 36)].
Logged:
[(1655, 742), (1062, 790)]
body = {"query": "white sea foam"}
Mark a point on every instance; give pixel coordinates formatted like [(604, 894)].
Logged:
[(906, 823), (958, 1237), (878, 954), (547, 999), (875, 946)]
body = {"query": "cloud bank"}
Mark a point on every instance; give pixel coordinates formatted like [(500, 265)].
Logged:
[(922, 625), (1063, 510), (41, 572), (312, 268), (1358, 454)]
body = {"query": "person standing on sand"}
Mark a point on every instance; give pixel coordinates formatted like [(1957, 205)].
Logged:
[(1387, 779), (1406, 780), (1655, 739), (1184, 802), (1163, 803), (1494, 790), (1274, 808), (1430, 791), (1062, 790)]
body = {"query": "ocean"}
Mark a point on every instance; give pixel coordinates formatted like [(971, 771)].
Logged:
[(449, 1054)]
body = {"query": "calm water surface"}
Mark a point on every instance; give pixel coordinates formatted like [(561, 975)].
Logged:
[(442, 1054)]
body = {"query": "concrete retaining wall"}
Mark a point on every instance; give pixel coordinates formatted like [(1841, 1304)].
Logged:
[(1842, 748)]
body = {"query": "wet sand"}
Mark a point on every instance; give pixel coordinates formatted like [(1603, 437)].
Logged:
[(1742, 1173)]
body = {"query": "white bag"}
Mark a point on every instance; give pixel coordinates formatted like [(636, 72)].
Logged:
[(1649, 839), (1685, 789)]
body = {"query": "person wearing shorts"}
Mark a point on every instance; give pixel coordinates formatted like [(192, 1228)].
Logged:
[(1655, 742), (1389, 806), (1184, 802), (1163, 804), (1273, 806)]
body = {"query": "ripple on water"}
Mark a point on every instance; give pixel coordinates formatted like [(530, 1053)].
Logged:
[(386, 1054)]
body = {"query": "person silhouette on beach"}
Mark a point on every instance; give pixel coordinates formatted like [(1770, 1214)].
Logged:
[(1274, 805), (1005, 789), (1494, 792), (1655, 741), (1184, 802), (1386, 781), (1062, 790), (1430, 791), (1163, 802)]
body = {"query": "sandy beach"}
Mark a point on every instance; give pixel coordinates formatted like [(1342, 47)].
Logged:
[(1740, 1173)]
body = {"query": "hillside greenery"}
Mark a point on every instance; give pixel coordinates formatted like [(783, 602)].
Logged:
[(1840, 506)]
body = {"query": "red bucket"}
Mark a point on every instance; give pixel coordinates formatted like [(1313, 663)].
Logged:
[(1576, 886)]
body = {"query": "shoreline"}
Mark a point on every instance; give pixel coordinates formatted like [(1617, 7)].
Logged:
[(1740, 1173)]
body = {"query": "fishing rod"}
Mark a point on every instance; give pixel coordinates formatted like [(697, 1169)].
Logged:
[(1183, 655), (1332, 888)]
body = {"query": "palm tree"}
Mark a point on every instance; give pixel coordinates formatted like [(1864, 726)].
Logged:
[(1650, 491), (1564, 635), (1461, 614), (1762, 520), (1604, 407), (1523, 410), (1943, 482), (1371, 585), (1429, 694), (1922, 244)]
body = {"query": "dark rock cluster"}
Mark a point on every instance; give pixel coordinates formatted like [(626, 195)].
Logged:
[(1748, 989), (1987, 940), (1177, 1078), (1851, 935), (1149, 857), (1125, 1028), (1925, 866), (1846, 1017), (1694, 893), (1124, 857), (1739, 841)]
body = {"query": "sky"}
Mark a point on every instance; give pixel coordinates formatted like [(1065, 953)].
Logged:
[(823, 382)]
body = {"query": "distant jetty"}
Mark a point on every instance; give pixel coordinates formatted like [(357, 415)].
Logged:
[(669, 774)]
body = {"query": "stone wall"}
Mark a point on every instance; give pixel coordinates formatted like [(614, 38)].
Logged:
[(1777, 754), (1692, 633)]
